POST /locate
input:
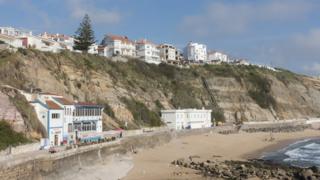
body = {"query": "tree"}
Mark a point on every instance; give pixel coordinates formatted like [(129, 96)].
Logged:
[(84, 37)]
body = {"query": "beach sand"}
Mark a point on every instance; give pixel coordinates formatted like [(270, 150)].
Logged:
[(155, 163)]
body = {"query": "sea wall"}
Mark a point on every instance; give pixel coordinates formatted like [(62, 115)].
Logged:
[(51, 166)]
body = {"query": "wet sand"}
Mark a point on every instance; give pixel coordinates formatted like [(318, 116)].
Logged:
[(156, 163)]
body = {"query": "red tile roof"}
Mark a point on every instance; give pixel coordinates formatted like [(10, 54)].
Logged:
[(123, 39), (144, 41), (64, 101), (53, 105)]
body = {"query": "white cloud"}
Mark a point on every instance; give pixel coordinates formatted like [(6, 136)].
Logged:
[(98, 15), (232, 18)]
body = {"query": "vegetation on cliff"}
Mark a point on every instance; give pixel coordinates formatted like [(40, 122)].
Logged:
[(8, 137), (144, 89)]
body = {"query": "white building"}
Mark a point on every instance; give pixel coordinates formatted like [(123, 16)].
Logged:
[(41, 44), (187, 118), (93, 49), (148, 52), (119, 45), (11, 40), (217, 56), (104, 51), (67, 121), (195, 52), (67, 42), (50, 115), (169, 54), (14, 32)]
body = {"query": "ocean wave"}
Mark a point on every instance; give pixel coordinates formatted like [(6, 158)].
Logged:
[(304, 153)]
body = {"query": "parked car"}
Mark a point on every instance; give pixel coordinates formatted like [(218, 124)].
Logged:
[(52, 150)]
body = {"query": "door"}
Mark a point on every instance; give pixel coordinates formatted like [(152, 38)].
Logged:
[(56, 140)]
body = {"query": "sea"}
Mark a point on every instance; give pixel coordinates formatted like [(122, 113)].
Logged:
[(304, 153)]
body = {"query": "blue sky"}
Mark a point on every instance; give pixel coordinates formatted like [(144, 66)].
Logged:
[(284, 33)]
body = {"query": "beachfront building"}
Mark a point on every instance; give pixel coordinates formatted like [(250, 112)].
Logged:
[(217, 56), (148, 51), (195, 52), (87, 119), (66, 121), (169, 54), (119, 46), (187, 118), (50, 115)]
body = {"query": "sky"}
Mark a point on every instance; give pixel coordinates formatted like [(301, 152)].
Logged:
[(280, 33)]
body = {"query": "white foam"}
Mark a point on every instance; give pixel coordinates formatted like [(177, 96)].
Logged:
[(309, 153)]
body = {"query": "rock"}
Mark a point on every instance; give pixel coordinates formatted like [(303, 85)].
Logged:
[(307, 174), (315, 169)]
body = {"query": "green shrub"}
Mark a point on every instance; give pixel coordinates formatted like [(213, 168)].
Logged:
[(158, 104), (260, 90), (217, 115), (141, 114), (9, 137), (107, 108)]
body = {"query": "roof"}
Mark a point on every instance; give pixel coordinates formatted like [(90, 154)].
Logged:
[(145, 41), (185, 110), (124, 39), (87, 104), (52, 105), (64, 101), (60, 36), (46, 93)]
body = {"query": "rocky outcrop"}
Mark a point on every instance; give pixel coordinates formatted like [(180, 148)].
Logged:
[(253, 169), (9, 113)]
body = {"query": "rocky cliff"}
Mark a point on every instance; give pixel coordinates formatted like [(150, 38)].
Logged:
[(134, 92)]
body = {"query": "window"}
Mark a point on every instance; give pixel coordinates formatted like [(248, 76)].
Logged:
[(69, 127), (94, 126), (86, 126), (77, 126), (55, 116)]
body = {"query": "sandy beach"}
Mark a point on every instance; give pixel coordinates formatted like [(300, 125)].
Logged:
[(155, 163)]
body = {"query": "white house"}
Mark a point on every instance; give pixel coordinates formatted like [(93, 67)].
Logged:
[(195, 52), (169, 54), (67, 121), (217, 56), (11, 40), (104, 51), (93, 49), (187, 118), (50, 115), (148, 52), (119, 45), (14, 32), (67, 42)]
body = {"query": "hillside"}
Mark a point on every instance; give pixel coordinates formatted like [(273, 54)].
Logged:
[(134, 91)]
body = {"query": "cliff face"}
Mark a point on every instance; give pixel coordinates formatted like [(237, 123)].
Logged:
[(134, 91)]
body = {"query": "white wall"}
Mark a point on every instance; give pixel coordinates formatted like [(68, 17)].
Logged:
[(184, 118), (195, 52), (148, 53)]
